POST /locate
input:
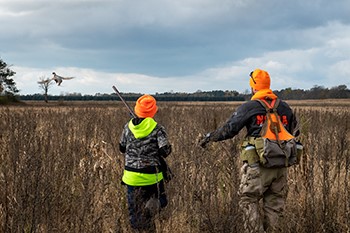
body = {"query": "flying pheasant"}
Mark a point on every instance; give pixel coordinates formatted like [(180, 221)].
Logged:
[(58, 79)]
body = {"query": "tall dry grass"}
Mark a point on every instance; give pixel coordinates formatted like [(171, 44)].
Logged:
[(60, 170)]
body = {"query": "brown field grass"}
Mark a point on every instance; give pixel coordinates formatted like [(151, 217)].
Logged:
[(60, 169)]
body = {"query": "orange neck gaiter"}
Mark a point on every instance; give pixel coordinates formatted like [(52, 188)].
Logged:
[(262, 94)]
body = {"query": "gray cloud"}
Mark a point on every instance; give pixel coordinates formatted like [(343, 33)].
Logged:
[(203, 42)]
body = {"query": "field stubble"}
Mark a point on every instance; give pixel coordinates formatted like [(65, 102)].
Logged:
[(60, 169)]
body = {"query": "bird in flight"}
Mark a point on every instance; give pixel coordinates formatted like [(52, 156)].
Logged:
[(58, 79)]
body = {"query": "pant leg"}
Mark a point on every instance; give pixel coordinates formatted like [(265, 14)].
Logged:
[(250, 192), (274, 197), (141, 218), (136, 202)]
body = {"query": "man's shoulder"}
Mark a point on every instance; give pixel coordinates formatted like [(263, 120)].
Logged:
[(284, 104), (249, 108), (256, 106), (250, 104), (255, 103)]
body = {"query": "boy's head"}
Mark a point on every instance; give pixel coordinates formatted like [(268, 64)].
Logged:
[(146, 106)]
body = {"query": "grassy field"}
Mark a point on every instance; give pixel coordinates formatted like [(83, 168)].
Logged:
[(60, 169)]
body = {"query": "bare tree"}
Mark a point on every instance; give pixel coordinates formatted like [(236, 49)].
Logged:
[(45, 84)]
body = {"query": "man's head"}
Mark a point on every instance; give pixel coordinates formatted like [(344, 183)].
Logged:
[(259, 80), (146, 106)]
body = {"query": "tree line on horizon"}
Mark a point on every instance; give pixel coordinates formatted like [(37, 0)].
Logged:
[(316, 92)]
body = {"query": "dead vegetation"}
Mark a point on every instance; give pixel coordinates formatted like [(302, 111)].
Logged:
[(60, 170)]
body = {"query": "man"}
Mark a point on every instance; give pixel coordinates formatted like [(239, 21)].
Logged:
[(145, 145), (257, 181)]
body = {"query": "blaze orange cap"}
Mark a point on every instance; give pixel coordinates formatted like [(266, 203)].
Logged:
[(259, 80), (146, 106)]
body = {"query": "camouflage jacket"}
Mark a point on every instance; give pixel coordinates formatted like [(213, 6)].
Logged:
[(144, 143)]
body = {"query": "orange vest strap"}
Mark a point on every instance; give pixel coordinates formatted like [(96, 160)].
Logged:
[(274, 129), (274, 104)]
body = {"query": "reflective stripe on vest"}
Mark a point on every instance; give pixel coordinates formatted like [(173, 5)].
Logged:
[(141, 179)]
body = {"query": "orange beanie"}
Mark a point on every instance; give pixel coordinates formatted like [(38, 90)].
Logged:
[(259, 80), (146, 106)]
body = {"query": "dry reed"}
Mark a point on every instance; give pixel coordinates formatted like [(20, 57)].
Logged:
[(60, 170)]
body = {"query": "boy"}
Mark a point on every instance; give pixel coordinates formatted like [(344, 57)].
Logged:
[(145, 145)]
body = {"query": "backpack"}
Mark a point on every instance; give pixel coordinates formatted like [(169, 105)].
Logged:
[(276, 147)]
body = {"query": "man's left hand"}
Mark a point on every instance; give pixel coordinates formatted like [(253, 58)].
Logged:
[(204, 141)]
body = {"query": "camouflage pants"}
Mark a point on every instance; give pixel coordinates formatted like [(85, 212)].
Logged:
[(262, 197)]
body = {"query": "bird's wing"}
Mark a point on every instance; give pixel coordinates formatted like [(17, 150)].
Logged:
[(67, 78), (44, 81)]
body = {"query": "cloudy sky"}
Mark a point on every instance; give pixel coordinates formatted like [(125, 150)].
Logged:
[(150, 46)]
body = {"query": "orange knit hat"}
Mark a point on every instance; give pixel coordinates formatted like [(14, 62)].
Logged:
[(146, 106), (259, 80)]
